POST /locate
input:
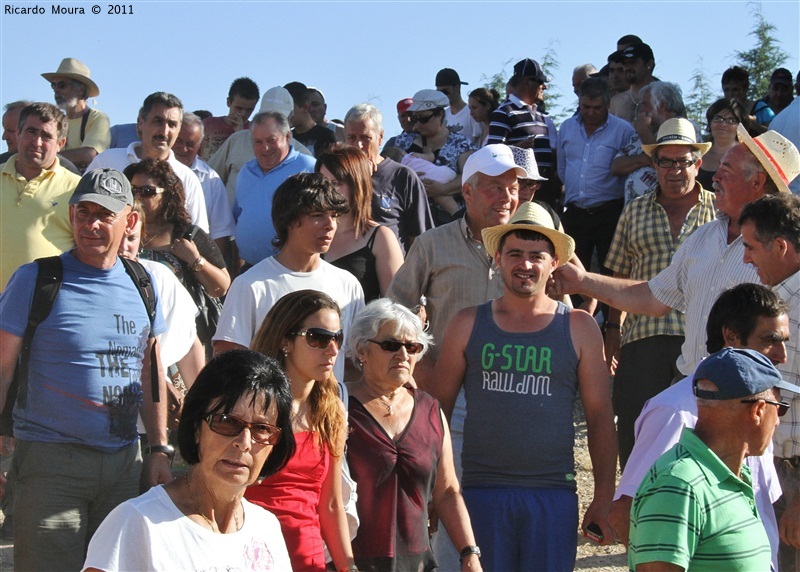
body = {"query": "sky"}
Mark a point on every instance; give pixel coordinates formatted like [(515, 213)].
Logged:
[(360, 51)]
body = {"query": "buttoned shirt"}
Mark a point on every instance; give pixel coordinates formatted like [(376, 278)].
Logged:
[(787, 434), (643, 246), (703, 267), (584, 161), (218, 207), (516, 122), (34, 216)]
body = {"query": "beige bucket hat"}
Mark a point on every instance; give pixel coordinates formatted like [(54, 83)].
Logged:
[(77, 70)]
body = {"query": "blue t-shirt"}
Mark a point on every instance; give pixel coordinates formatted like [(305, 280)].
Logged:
[(84, 384)]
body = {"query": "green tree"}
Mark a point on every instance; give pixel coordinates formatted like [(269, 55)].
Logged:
[(764, 57), (497, 81), (700, 98), (552, 94)]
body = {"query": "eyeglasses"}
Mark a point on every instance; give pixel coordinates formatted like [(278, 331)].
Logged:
[(783, 407), (726, 120), (679, 164), (394, 346), (147, 191), (320, 338), (230, 426), (60, 84), (422, 120)]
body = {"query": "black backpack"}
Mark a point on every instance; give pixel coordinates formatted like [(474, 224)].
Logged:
[(48, 284)]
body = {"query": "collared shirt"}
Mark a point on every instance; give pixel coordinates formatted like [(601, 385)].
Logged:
[(787, 434), (120, 158), (703, 267), (584, 162), (252, 208), (643, 246), (218, 207), (515, 122), (34, 216)]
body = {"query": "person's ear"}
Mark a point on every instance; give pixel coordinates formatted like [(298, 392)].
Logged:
[(731, 338)]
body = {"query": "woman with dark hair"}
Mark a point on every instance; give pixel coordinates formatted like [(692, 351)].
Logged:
[(235, 429), (723, 117), (482, 102), (303, 333), (367, 250), (171, 238)]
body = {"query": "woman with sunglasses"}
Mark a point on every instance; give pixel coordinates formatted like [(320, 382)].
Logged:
[(399, 449), (303, 333), (235, 429), (169, 237), (723, 117), (367, 250)]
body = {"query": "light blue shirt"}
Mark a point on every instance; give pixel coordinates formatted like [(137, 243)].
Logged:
[(252, 208), (584, 163)]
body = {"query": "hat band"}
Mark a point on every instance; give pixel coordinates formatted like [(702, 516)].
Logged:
[(772, 162), (676, 137)]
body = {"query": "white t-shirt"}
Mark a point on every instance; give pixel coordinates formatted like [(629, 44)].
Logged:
[(218, 207), (463, 124), (253, 293), (150, 533)]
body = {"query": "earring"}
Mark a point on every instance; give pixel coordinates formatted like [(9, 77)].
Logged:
[(285, 351)]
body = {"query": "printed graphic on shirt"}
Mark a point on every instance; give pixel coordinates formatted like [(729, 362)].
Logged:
[(516, 368)]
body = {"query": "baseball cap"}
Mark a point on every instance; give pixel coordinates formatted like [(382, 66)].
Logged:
[(448, 76), (634, 51), (106, 187), (738, 373), (531, 68), (404, 104), (277, 99), (492, 160), (426, 99), (782, 75)]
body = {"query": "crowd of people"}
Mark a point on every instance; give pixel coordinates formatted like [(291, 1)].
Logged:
[(346, 343)]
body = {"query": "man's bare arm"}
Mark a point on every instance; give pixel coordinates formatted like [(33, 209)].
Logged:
[(452, 364), (10, 346), (154, 417)]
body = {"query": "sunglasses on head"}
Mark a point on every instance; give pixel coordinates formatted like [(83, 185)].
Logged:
[(320, 338), (783, 407), (422, 120), (230, 426), (146, 191), (394, 346)]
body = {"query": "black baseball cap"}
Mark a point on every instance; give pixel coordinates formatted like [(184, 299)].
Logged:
[(634, 51), (531, 68), (448, 76)]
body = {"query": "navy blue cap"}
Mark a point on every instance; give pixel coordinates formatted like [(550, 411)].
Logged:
[(738, 373), (531, 68)]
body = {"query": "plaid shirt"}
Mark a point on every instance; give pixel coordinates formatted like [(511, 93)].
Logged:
[(787, 434), (643, 247)]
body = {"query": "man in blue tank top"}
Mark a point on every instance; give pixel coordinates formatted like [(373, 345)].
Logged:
[(522, 359)]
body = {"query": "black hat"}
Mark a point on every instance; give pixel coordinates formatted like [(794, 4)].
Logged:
[(448, 76), (782, 75), (642, 51), (531, 68)]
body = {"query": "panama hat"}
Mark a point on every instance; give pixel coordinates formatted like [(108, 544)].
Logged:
[(77, 70), (777, 155), (530, 216), (676, 131)]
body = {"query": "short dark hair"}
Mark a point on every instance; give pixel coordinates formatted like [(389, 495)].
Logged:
[(594, 87), (298, 91), (302, 194), (245, 88), (526, 234), (735, 73), (46, 112), (775, 216), (739, 309), (731, 105), (225, 380), (160, 98)]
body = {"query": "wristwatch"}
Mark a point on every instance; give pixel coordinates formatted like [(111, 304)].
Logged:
[(468, 550), (168, 450)]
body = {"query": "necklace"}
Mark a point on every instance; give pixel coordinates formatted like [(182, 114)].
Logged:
[(386, 403), (156, 235), (214, 527), (633, 99)]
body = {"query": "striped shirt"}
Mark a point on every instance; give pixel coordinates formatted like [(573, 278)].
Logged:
[(692, 511), (515, 122), (703, 267), (643, 246), (787, 434)]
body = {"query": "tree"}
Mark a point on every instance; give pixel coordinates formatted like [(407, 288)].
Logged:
[(700, 98), (497, 81), (765, 57), (552, 95)]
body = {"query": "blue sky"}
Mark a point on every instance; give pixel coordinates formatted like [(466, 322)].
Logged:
[(359, 51)]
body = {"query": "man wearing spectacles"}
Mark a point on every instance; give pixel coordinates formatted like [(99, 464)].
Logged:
[(696, 506), (648, 233)]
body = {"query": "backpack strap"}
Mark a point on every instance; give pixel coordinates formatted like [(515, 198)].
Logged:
[(144, 285), (84, 121)]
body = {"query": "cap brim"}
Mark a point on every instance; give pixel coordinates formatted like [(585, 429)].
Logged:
[(744, 137), (110, 203), (785, 385)]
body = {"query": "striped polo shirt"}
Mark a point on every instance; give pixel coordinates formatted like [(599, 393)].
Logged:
[(515, 122)]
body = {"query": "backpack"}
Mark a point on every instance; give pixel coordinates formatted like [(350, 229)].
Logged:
[(48, 284)]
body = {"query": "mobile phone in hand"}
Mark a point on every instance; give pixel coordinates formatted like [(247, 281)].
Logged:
[(594, 532)]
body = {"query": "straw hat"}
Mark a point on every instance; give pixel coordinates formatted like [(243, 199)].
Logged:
[(530, 216), (77, 70), (676, 131), (776, 153)]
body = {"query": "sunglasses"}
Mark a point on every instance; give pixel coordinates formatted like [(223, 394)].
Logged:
[(147, 191), (679, 164), (422, 120), (230, 426), (394, 346), (320, 338), (60, 84), (783, 407)]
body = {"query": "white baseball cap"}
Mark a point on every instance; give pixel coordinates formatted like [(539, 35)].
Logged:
[(492, 160)]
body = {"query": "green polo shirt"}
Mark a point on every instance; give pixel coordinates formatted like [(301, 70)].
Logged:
[(692, 511)]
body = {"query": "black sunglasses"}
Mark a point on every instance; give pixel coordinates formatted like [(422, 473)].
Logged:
[(230, 426), (783, 407), (147, 191), (320, 338), (393, 346), (422, 120)]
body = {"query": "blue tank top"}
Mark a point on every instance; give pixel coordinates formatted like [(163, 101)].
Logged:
[(520, 389)]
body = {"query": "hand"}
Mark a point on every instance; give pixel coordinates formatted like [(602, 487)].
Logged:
[(598, 514), (620, 518), (612, 345), (237, 122), (789, 526), (184, 249), (157, 469), (6, 445), (432, 188), (565, 280), (471, 563)]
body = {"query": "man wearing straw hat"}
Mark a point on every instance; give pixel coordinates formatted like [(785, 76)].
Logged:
[(649, 231), (522, 359), (89, 129)]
